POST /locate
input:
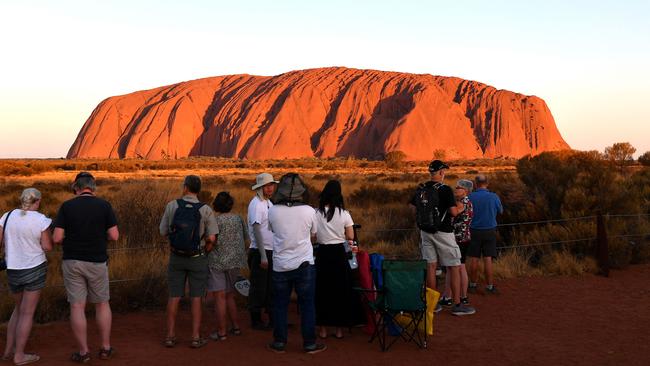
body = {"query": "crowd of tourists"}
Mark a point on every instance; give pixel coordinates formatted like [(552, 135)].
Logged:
[(292, 247)]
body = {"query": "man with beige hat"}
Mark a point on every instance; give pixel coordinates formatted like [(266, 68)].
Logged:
[(260, 254)]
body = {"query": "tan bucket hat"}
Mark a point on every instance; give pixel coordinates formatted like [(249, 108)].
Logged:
[(263, 179)]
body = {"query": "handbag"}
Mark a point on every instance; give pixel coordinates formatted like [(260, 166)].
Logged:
[(3, 262)]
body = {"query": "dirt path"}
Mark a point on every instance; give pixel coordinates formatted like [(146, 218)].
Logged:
[(537, 321)]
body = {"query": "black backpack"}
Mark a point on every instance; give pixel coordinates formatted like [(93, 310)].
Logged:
[(185, 232), (427, 215)]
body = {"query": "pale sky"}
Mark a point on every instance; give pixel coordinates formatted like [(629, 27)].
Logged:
[(589, 60)]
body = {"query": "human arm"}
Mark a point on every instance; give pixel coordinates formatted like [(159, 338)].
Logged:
[(499, 205), (112, 234), (46, 240), (259, 239), (58, 235)]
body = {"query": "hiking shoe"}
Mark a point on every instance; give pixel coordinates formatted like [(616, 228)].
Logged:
[(438, 308), (446, 301), (491, 290), (315, 348), (460, 310), (464, 300), (277, 347), (472, 288)]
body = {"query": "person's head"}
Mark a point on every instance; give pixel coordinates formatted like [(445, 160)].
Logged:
[(192, 185), (84, 182), (30, 199), (264, 186), (223, 202), (463, 188), (481, 181), (437, 170), (291, 190), (332, 197)]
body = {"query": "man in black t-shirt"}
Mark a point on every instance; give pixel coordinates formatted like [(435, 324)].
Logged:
[(441, 246), (84, 225)]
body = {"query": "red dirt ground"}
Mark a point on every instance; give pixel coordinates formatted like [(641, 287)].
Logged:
[(586, 320)]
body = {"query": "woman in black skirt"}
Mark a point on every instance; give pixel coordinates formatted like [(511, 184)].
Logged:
[(335, 298)]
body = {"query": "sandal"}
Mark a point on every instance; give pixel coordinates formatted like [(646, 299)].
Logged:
[(106, 354), (78, 357), (215, 336), (198, 342), (29, 358), (170, 342), (8, 357), (235, 331)]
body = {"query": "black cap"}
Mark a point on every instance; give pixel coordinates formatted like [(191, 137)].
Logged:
[(83, 175), (437, 165)]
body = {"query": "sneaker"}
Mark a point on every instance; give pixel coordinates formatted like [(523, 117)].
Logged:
[(277, 347), (460, 310), (464, 300), (491, 289), (446, 301), (472, 288), (315, 348), (438, 308)]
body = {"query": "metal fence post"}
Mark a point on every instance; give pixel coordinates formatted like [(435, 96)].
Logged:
[(602, 246)]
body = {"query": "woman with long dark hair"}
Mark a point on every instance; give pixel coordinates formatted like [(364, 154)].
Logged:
[(334, 294)]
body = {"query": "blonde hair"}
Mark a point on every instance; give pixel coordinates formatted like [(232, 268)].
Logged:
[(260, 194), (28, 198)]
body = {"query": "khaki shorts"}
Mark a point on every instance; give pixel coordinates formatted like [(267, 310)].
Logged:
[(440, 247), (85, 281)]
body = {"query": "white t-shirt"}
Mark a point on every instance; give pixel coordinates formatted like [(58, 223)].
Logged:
[(292, 229), (258, 213), (22, 238), (332, 232)]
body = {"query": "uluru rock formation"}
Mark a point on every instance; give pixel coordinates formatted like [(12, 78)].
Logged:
[(323, 113)]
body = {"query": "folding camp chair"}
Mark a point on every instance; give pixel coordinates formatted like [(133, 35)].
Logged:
[(403, 293)]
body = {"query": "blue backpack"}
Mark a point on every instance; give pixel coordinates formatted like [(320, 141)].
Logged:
[(185, 230)]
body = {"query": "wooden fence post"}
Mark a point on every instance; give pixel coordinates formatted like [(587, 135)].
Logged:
[(602, 246)]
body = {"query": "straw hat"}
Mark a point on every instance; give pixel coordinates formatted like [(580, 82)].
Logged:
[(263, 179)]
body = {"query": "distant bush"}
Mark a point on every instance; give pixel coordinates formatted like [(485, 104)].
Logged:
[(644, 159), (395, 159)]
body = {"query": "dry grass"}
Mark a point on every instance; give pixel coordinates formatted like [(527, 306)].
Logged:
[(376, 197)]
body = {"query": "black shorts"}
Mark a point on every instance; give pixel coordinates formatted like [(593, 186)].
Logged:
[(32, 279), (483, 243)]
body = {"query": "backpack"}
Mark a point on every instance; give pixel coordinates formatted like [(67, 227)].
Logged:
[(184, 234), (427, 215)]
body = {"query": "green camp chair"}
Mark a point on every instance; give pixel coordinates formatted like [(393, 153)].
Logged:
[(403, 292)]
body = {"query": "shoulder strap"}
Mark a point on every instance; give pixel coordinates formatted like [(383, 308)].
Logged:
[(4, 227)]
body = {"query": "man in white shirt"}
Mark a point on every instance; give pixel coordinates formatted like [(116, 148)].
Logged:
[(293, 224), (260, 254)]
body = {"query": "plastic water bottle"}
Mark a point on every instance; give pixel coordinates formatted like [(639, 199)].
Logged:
[(353, 260)]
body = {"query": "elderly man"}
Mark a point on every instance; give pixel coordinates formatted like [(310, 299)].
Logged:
[(483, 233), (84, 225), (260, 254), (191, 228)]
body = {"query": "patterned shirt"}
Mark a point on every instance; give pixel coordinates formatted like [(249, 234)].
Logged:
[(230, 250), (462, 222)]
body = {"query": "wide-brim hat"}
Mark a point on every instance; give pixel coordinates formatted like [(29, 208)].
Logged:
[(263, 179), (290, 189)]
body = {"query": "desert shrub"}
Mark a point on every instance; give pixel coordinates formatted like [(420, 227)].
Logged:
[(395, 159), (378, 194), (644, 159)]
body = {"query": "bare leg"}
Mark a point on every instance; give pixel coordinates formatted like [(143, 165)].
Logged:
[(220, 305), (463, 281), (172, 310), (196, 317), (431, 275), (79, 325), (488, 270), (454, 273), (104, 319), (10, 346), (323, 332), (339, 332), (232, 309), (473, 266), (24, 323), (447, 292)]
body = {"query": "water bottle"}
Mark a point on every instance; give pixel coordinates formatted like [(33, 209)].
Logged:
[(353, 260)]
